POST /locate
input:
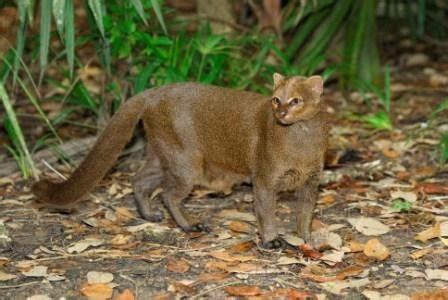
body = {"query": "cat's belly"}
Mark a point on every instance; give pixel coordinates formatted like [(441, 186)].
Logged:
[(220, 180)]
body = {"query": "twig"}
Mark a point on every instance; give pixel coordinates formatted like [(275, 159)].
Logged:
[(214, 289), (18, 285), (53, 169)]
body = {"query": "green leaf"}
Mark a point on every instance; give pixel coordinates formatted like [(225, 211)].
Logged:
[(45, 26), (380, 120), (441, 107), (139, 8), (97, 9), (18, 134), (157, 9), (59, 15), (401, 205), (69, 35)]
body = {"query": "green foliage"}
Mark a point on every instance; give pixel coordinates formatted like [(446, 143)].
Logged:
[(444, 149), (380, 120), (401, 205)]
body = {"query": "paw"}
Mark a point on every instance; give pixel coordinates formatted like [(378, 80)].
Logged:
[(277, 243), (198, 227), (156, 216)]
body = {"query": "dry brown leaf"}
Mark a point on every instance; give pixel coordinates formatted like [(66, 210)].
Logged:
[(428, 234), (375, 249), (440, 294), (355, 246), (436, 274), (127, 294), (408, 196), (6, 276), (124, 214), (349, 271), (162, 296), (211, 277), (420, 253), (434, 188), (289, 293), (243, 290), (177, 265), (97, 291), (179, 287), (224, 255), (242, 247), (323, 239), (242, 268), (99, 277), (327, 199), (240, 226), (308, 251), (368, 226), (121, 239)]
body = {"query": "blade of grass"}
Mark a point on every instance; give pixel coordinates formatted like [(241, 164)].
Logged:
[(36, 105), (45, 26), (22, 7), (17, 130), (59, 15), (139, 8), (157, 9), (69, 35), (96, 7)]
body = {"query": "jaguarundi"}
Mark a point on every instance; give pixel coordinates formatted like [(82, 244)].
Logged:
[(214, 137)]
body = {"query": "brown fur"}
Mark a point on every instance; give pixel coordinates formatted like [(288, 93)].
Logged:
[(214, 137)]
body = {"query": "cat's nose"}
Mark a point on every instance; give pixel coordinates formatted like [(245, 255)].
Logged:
[(282, 113)]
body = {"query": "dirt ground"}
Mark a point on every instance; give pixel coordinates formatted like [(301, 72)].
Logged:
[(364, 247)]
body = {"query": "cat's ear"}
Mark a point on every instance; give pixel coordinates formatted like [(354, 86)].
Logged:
[(278, 78), (316, 83)]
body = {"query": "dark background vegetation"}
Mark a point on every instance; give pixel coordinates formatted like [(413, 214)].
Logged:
[(66, 66)]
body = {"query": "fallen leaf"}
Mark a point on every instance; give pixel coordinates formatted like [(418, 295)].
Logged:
[(242, 247), (408, 196), (355, 246), (233, 214), (99, 277), (286, 260), (153, 227), (242, 268), (177, 265), (239, 226), (349, 271), (224, 255), (332, 257), (336, 287), (375, 249), (293, 240), (288, 293), (243, 290), (82, 245), (127, 294), (211, 277), (420, 253), (368, 226), (323, 239), (440, 294), (182, 288), (434, 188), (6, 276), (308, 251), (436, 274), (124, 214), (97, 291), (121, 239), (37, 271), (39, 297), (428, 234)]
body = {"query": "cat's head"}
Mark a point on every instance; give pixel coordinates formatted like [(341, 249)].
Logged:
[(296, 98)]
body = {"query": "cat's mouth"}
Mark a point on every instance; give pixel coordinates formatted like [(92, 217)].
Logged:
[(286, 120)]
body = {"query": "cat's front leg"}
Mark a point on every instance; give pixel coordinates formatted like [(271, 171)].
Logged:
[(306, 202), (265, 205)]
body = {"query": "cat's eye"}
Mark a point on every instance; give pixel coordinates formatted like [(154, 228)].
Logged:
[(295, 101), (276, 101)]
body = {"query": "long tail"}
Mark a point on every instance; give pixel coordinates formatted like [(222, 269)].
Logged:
[(99, 160)]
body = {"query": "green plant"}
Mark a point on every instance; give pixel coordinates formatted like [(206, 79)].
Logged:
[(444, 148), (401, 205), (380, 120)]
